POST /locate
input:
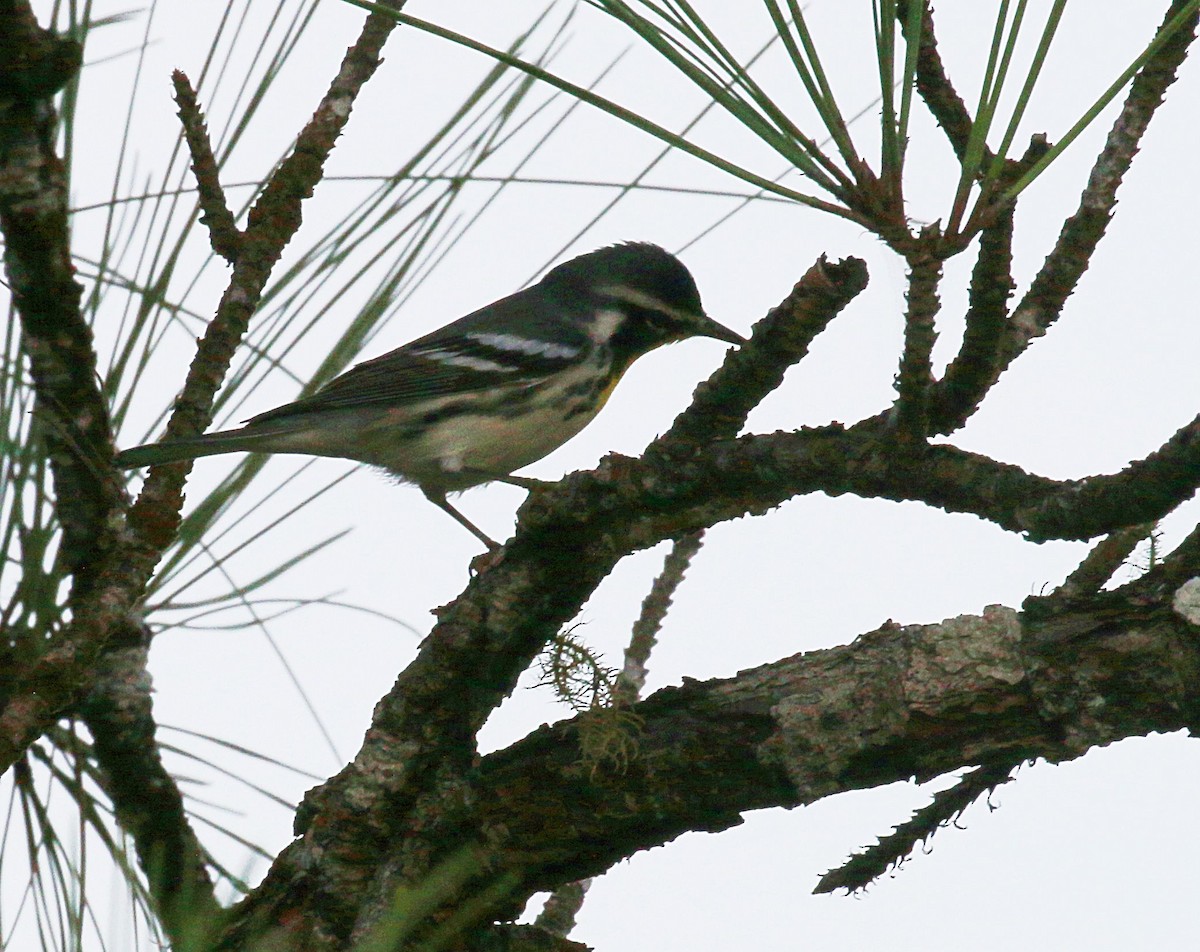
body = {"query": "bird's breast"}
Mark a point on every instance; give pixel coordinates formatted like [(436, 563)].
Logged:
[(473, 436)]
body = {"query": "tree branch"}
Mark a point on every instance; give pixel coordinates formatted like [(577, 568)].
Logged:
[(146, 799), (223, 233), (273, 221), (411, 770), (891, 850), (421, 743), (1081, 233), (973, 370), (780, 340), (62, 675), (915, 377), (71, 415), (900, 702), (1108, 555), (632, 679), (934, 86), (638, 503), (510, 937)]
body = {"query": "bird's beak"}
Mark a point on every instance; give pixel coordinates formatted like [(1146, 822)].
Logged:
[(707, 327)]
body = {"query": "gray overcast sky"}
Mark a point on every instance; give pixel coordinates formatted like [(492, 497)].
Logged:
[(1093, 854)]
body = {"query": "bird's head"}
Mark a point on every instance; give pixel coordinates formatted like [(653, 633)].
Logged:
[(634, 297)]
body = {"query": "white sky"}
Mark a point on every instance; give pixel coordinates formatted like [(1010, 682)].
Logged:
[(1094, 854)]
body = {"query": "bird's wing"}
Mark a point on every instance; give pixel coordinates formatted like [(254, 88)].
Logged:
[(478, 352)]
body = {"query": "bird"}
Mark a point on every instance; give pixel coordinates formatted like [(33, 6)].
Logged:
[(488, 393)]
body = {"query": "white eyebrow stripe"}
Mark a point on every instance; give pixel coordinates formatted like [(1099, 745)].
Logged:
[(526, 345), (465, 360), (641, 299)]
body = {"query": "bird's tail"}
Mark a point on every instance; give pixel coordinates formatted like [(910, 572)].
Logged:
[(172, 451)]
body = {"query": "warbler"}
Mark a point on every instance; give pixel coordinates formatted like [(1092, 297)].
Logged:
[(491, 392)]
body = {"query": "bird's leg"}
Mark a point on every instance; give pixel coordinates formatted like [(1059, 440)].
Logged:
[(439, 499)]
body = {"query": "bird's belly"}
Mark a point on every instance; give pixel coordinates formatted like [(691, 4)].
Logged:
[(468, 448), (459, 447)]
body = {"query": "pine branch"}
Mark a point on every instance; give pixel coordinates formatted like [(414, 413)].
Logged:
[(910, 416), (147, 801), (890, 851), (223, 232), (70, 411), (1081, 233), (779, 341)]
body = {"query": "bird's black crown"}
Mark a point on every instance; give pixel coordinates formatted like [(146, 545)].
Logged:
[(634, 264)]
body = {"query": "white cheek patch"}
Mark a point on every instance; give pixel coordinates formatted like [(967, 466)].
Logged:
[(526, 345), (463, 360), (604, 324)]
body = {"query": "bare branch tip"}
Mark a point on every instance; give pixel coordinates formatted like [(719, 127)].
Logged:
[(224, 236)]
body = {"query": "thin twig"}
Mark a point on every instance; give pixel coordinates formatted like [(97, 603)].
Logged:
[(563, 905), (632, 679), (977, 366), (1179, 565), (937, 92), (1105, 557), (1081, 233), (273, 222), (780, 340), (972, 372), (863, 868), (558, 914), (223, 232)]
